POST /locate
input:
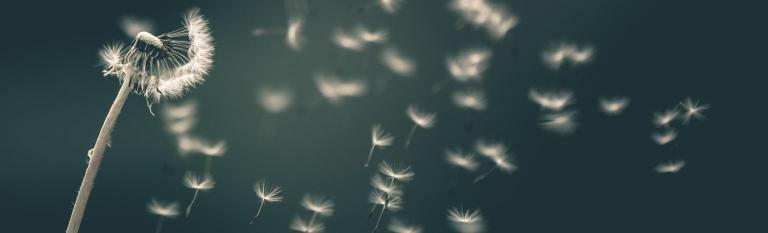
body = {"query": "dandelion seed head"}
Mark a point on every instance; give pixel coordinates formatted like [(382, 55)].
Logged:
[(398, 226), (274, 99), (163, 209), (567, 52), (469, 64), (670, 167), (692, 109), (193, 181), (613, 106), (318, 204), (381, 138), (268, 193), (551, 100), (662, 138), (473, 99), (397, 62), (421, 118), (399, 172), (392, 202), (562, 123), (666, 117), (460, 159), (387, 186), (305, 226)]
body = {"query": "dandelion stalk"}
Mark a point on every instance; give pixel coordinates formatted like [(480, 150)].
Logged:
[(159, 226), (484, 175), (381, 214), (261, 204), (191, 203), (370, 155), (96, 156), (410, 136)]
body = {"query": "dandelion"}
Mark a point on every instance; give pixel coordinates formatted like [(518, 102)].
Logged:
[(267, 193), (613, 106), (132, 25), (274, 100), (420, 118), (198, 183), (370, 36), (387, 202), (348, 40), (666, 117), (462, 160), (663, 138), (469, 65), (564, 52), (318, 205), (552, 100), (501, 161), (398, 226), (494, 18), (157, 67), (563, 123), (379, 138), (301, 225), (466, 221), (473, 99), (163, 211), (670, 167), (334, 89), (397, 62), (390, 6), (692, 109)]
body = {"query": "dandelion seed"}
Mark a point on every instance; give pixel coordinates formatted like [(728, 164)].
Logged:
[(304, 226), (692, 109), (613, 106), (293, 36), (497, 153), (132, 25), (379, 138), (664, 118), (420, 118), (370, 36), (488, 149), (670, 167), (663, 138), (388, 187), (163, 210), (163, 66), (318, 204), (348, 41), (180, 119), (473, 99), (564, 52), (398, 226), (266, 193), (398, 63), (334, 89), (494, 18), (275, 100), (563, 123), (198, 183), (390, 6), (552, 100), (469, 65), (466, 221), (460, 159), (387, 202), (398, 172)]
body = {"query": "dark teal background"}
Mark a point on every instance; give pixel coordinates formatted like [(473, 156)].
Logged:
[(600, 179)]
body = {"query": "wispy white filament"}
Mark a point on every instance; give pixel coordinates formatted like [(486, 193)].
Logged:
[(613, 106), (567, 52), (397, 62), (472, 99), (274, 99), (670, 167), (469, 65)]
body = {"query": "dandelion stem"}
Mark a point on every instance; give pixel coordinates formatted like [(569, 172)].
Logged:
[(159, 226), (194, 198), (482, 177), (258, 211), (370, 154), (381, 214), (312, 219), (410, 136), (97, 155)]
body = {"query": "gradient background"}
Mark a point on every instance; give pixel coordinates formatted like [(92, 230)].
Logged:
[(599, 179)]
